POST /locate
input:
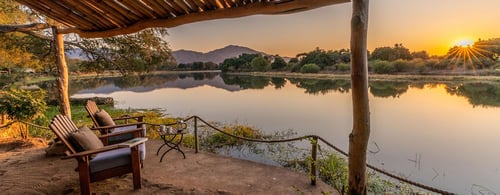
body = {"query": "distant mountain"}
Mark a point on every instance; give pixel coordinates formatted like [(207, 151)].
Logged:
[(216, 56)]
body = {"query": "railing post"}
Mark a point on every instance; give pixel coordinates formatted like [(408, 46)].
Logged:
[(195, 134), (314, 155)]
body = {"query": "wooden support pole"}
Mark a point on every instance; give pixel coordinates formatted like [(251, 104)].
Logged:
[(62, 74), (314, 160), (196, 134), (358, 139)]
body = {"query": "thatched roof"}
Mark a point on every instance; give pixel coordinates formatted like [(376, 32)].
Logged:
[(103, 18)]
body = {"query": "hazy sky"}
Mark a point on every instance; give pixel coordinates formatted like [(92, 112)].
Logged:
[(431, 25)]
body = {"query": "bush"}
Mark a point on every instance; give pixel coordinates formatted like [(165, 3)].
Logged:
[(402, 65), (294, 67), (382, 67), (310, 68), (344, 67), (22, 105)]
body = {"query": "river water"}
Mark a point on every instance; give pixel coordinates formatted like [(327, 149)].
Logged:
[(443, 134)]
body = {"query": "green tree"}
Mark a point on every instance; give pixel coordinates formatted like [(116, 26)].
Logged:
[(22, 105), (260, 64), (319, 57), (391, 54), (278, 63), (420, 54)]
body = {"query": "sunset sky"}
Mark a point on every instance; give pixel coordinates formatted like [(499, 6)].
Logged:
[(431, 25)]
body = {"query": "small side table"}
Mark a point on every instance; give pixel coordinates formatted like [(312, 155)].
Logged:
[(169, 140)]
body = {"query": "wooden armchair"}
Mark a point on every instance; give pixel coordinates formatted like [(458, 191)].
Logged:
[(104, 161), (121, 123)]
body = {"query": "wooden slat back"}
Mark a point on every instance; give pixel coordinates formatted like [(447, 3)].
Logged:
[(92, 108), (62, 126)]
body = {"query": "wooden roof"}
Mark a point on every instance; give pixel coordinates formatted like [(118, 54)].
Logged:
[(104, 18)]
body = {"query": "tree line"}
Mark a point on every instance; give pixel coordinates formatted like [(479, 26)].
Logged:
[(482, 56)]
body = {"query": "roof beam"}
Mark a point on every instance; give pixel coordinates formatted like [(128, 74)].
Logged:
[(263, 8)]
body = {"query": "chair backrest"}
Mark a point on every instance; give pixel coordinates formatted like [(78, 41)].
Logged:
[(63, 126), (92, 108)]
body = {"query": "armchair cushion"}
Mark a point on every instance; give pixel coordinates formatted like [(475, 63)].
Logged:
[(104, 119), (84, 139), (114, 158)]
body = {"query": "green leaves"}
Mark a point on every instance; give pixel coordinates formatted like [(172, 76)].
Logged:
[(21, 104)]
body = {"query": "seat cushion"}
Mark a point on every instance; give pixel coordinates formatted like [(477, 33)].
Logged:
[(84, 139), (113, 158), (125, 137)]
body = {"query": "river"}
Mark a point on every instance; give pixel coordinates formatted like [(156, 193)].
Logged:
[(442, 134)]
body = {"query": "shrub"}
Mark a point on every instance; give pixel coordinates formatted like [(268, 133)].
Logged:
[(22, 105), (344, 67), (310, 68), (382, 67), (402, 65)]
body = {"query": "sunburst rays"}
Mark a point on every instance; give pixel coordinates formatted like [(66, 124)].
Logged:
[(469, 56)]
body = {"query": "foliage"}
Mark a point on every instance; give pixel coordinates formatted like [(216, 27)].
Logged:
[(391, 53), (310, 68), (402, 65), (278, 63), (420, 54), (324, 58), (295, 67), (381, 67), (344, 67), (241, 63), (260, 64), (22, 105), (144, 51), (219, 139)]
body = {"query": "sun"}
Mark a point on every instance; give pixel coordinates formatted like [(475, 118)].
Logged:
[(463, 43)]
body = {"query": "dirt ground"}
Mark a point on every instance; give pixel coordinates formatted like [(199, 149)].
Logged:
[(24, 169)]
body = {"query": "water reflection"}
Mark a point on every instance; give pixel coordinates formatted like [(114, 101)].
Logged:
[(316, 86), (388, 89), (477, 94)]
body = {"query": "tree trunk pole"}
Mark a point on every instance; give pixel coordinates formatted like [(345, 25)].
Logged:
[(62, 74), (358, 139)]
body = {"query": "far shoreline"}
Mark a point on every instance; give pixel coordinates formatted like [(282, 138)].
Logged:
[(347, 76), (375, 77)]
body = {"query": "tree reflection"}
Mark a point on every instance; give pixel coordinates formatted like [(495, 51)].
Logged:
[(278, 82), (323, 86), (478, 94), (388, 88), (246, 82)]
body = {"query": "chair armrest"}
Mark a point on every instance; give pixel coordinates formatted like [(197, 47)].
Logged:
[(116, 126), (90, 152), (139, 130)]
